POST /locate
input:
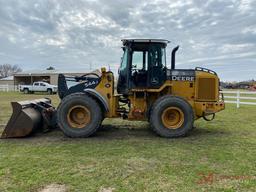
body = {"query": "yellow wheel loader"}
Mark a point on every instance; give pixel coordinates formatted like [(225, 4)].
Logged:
[(170, 99)]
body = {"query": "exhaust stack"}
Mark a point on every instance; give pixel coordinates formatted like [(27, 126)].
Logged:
[(173, 57)]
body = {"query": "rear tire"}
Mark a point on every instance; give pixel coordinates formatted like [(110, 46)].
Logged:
[(171, 116), (79, 115), (49, 91)]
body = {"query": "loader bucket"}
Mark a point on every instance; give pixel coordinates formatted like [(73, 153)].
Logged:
[(28, 117)]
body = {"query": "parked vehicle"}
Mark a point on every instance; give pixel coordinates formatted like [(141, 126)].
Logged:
[(39, 87)]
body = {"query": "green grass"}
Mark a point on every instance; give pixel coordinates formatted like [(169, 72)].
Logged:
[(127, 156)]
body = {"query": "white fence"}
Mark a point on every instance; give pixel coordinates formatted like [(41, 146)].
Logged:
[(8, 88), (236, 97), (4, 88)]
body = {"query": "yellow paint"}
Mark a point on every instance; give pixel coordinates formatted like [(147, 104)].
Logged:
[(172, 118), (106, 89), (78, 116), (142, 99)]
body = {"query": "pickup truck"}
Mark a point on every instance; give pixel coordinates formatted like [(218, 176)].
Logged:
[(39, 87)]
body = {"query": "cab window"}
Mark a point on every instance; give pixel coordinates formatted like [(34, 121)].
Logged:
[(137, 60), (140, 60), (124, 60), (157, 57)]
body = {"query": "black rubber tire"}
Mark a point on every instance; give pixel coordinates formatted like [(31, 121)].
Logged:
[(90, 104), (49, 91), (171, 101), (26, 91)]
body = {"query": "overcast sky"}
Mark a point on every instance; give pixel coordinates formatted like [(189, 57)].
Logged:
[(76, 34)]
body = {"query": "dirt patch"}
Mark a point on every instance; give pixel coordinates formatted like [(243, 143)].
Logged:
[(54, 188), (107, 132), (109, 189)]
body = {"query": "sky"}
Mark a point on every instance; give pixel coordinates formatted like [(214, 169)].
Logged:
[(85, 35)]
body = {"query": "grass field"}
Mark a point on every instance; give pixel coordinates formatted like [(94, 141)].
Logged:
[(127, 156)]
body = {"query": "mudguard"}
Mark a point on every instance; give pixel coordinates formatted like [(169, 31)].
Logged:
[(83, 87), (96, 95), (82, 84)]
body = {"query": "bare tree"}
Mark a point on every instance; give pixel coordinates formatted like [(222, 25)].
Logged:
[(8, 70), (50, 68)]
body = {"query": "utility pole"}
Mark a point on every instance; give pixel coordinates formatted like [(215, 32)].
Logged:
[(90, 66)]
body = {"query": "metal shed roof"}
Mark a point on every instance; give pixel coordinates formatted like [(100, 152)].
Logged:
[(49, 72), (10, 78)]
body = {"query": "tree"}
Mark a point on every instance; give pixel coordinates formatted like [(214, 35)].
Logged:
[(8, 70), (50, 68)]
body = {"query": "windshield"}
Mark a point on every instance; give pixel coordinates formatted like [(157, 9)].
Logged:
[(124, 60)]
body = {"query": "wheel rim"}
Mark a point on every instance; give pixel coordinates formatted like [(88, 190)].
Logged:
[(172, 117), (78, 116)]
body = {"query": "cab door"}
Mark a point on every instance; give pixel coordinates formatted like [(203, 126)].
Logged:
[(43, 87), (157, 67), (139, 73), (124, 73), (36, 86)]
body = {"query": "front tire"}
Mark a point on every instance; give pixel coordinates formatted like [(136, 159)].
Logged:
[(79, 115), (26, 91), (171, 116)]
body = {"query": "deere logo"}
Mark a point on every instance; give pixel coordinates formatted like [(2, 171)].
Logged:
[(183, 78)]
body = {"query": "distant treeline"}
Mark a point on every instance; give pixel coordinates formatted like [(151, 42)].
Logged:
[(239, 85)]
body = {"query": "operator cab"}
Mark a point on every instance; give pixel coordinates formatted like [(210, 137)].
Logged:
[(143, 64)]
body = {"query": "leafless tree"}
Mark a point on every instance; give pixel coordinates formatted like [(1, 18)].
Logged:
[(50, 68), (8, 70)]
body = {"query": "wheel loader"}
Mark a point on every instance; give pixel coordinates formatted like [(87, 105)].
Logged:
[(169, 99)]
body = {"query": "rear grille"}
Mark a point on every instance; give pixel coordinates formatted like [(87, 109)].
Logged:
[(206, 89)]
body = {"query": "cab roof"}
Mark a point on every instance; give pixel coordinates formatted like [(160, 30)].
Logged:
[(125, 41)]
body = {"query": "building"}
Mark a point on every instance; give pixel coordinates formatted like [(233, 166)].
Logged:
[(50, 76), (7, 83)]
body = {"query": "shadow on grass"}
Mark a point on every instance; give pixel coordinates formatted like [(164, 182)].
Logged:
[(120, 132)]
